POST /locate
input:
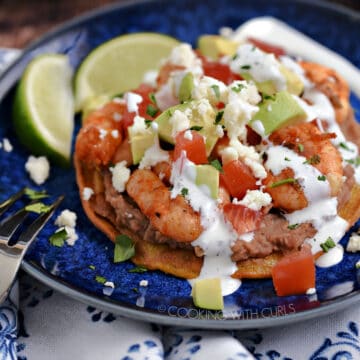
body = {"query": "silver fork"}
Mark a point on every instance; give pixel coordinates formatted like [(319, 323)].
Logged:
[(12, 255)]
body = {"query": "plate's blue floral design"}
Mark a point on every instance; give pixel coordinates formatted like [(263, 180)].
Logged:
[(167, 299), (8, 330)]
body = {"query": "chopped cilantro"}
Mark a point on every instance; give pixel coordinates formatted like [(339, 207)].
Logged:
[(138, 269), (216, 90), (300, 147), (151, 110), (286, 159), (246, 67), (184, 191), (268, 97), (58, 238), (237, 88), (119, 95), (35, 195), (218, 117), (124, 248), (293, 226), (235, 57), (169, 112), (283, 182), (328, 244), (345, 146), (196, 128), (147, 123), (152, 98), (315, 159), (217, 165), (355, 162), (38, 208), (100, 279), (321, 177)]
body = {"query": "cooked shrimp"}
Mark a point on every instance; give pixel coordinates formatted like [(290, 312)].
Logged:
[(100, 136), (332, 85), (308, 141), (163, 170), (174, 218)]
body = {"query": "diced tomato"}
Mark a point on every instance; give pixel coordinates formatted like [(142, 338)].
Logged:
[(195, 148), (252, 137), (269, 48), (128, 117), (219, 71), (242, 218), (295, 273), (238, 178)]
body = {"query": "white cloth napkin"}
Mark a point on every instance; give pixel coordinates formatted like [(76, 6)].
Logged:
[(48, 325)]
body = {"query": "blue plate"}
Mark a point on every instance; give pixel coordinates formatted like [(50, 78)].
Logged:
[(167, 299)]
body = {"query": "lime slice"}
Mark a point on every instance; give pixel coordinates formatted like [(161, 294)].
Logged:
[(43, 110), (119, 65)]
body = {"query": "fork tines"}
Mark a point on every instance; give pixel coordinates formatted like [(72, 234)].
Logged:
[(10, 224)]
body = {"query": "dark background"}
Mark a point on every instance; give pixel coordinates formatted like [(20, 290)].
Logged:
[(21, 21)]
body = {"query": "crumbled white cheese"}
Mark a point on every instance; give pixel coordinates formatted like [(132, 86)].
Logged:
[(311, 291), (154, 126), (179, 121), (219, 131), (117, 116), (110, 284), (144, 283), (212, 89), (250, 157), (102, 134), (115, 134), (229, 154), (353, 243), (120, 176), (87, 193), (244, 91), (38, 168), (150, 78), (183, 55), (66, 218), (139, 126), (132, 101), (165, 96), (188, 135), (153, 155), (71, 235), (255, 199), (7, 145), (241, 107)]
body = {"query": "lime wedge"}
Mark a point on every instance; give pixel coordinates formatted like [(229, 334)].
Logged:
[(119, 65), (43, 109)]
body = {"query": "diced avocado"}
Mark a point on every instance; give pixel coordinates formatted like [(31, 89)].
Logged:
[(294, 84), (186, 87), (278, 111), (209, 176), (140, 142), (214, 46), (206, 294), (200, 115), (94, 103)]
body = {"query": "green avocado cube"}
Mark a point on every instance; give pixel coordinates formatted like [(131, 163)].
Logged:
[(139, 143), (206, 294), (209, 176), (278, 111), (214, 46)]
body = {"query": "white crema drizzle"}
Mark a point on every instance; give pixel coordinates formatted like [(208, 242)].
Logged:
[(321, 211), (217, 237)]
